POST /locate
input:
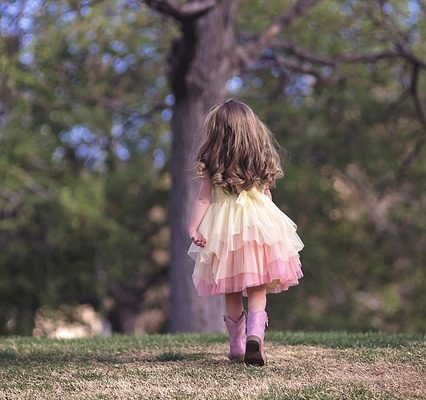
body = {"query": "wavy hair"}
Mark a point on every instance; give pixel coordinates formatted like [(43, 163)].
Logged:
[(239, 151)]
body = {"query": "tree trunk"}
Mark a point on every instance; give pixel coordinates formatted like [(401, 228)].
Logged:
[(200, 64)]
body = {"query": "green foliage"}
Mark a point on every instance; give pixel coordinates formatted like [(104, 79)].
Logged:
[(80, 141), (84, 159)]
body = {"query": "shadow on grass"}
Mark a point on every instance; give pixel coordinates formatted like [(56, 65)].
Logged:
[(37, 359), (116, 350), (12, 359), (177, 356)]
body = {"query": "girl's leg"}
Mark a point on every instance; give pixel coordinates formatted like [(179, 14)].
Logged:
[(256, 298), (234, 305)]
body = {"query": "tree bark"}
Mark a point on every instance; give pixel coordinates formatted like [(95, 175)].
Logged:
[(201, 61)]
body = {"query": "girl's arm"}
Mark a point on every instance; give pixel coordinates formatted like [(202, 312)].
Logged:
[(201, 205)]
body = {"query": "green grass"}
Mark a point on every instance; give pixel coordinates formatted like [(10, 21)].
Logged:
[(329, 365)]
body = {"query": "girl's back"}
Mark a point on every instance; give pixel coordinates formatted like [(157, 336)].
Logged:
[(240, 237)]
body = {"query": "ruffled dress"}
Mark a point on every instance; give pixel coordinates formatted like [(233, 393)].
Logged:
[(249, 242)]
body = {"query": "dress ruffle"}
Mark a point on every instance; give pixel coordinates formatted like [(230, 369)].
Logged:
[(249, 242)]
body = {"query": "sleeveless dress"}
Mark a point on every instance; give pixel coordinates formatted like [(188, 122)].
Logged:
[(249, 242)]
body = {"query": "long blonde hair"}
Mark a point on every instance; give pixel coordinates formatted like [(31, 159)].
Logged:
[(239, 151)]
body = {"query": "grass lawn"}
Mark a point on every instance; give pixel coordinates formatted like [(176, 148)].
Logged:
[(333, 365)]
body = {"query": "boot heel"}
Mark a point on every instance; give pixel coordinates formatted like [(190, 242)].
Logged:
[(253, 355), (255, 352)]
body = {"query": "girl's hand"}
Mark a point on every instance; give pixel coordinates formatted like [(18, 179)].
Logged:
[(197, 238)]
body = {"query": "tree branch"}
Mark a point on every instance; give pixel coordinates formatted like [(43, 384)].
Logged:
[(248, 52), (401, 39), (188, 11), (333, 61), (303, 65), (415, 95), (411, 154), (300, 67)]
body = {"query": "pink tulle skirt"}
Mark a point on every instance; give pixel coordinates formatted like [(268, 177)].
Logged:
[(249, 242)]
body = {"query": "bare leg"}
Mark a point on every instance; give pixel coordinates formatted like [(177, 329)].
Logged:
[(256, 298), (234, 305)]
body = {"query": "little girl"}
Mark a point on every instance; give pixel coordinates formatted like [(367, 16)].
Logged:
[(242, 243)]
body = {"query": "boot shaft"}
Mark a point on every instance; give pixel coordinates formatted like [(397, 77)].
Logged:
[(237, 337), (256, 323), (236, 329)]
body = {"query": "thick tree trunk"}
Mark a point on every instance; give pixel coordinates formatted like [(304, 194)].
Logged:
[(201, 63)]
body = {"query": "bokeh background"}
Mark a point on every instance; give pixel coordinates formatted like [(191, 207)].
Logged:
[(85, 144)]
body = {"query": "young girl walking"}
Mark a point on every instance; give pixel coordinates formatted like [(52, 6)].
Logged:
[(242, 243)]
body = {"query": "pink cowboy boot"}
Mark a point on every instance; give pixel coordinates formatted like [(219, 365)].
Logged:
[(237, 337), (255, 352)]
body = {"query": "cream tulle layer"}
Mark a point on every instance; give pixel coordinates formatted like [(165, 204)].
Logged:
[(250, 242)]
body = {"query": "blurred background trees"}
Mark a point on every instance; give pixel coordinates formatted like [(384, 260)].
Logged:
[(85, 145)]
